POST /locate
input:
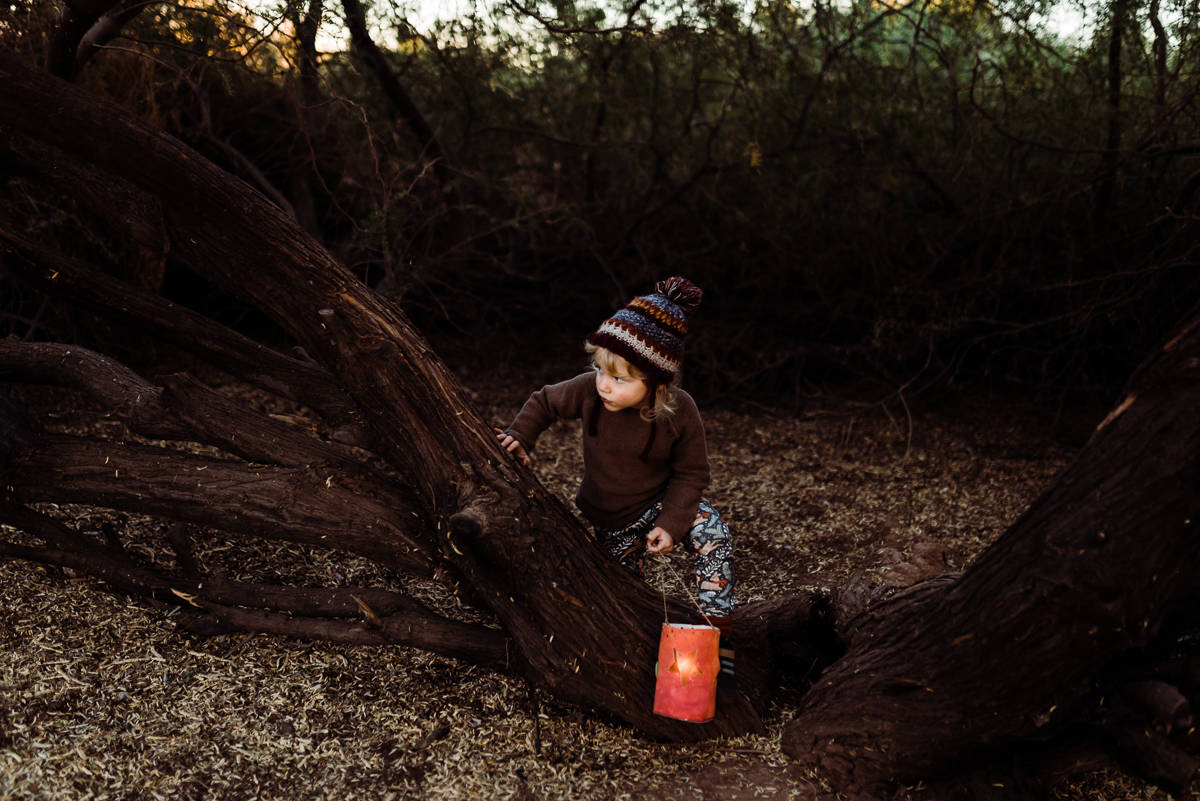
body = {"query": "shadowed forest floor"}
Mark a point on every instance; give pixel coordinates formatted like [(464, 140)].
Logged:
[(100, 697)]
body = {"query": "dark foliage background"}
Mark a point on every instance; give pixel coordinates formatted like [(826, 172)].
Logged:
[(887, 198)]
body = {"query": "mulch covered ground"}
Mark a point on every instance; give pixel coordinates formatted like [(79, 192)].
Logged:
[(100, 696)]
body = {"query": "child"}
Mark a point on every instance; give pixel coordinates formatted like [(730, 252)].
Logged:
[(645, 462)]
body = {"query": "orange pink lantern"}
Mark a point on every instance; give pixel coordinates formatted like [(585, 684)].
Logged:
[(688, 664)]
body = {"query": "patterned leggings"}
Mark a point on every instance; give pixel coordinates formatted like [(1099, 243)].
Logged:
[(708, 540)]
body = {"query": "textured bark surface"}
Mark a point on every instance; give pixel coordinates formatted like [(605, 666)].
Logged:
[(1009, 651)]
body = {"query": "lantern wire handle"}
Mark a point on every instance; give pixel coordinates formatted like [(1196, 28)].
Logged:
[(666, 560)]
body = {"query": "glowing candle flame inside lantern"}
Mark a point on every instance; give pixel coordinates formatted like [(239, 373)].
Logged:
[(687, 677), (684, 665)]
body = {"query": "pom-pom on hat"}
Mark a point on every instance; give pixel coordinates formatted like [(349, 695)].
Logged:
[(648, 333)]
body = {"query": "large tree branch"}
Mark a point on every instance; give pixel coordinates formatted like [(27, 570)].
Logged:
[(181, 409), (133, 216), (68, 278), (473, 644), (330, 312), (188, 410), (107, 27), (316, 505)]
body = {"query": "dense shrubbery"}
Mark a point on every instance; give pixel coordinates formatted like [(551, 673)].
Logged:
[(868, 192)]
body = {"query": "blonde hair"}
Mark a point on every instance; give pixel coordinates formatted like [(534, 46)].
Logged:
[(665, 400)]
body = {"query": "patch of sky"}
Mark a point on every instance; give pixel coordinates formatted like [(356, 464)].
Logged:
[(1072, 20)]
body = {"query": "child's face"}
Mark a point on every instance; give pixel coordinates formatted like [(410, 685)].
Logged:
[(619, 389)]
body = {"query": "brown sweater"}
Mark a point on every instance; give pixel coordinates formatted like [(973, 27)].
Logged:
[(618, 484)]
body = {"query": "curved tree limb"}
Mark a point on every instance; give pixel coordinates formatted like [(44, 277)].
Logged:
[(212, 602), (302, 380), (314, 504), (181, 409), (107, 27)]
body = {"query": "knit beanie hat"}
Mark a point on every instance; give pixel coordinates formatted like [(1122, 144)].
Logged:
[(648, 333)]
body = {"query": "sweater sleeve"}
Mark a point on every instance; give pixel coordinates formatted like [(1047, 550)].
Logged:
[(689, 474), (548, 405)]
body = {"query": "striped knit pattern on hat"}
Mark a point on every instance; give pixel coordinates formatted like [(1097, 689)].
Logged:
[(649, 332)]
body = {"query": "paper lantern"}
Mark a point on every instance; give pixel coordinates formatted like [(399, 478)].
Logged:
[(688, 665)]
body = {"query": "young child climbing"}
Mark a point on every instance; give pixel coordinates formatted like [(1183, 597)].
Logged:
[(645, 461)]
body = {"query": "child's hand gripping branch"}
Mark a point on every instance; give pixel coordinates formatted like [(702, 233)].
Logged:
[(509, 443)]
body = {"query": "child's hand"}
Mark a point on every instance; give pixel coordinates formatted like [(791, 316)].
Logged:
[(659, 541), (510, 444)]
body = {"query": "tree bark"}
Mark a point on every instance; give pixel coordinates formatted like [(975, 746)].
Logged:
[(303, 168), (1111, 166), (1012, 650)]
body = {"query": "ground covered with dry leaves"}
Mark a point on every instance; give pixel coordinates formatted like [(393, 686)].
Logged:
[(100, 696)]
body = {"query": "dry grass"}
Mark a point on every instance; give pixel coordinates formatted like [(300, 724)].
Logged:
[(100, 697)]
